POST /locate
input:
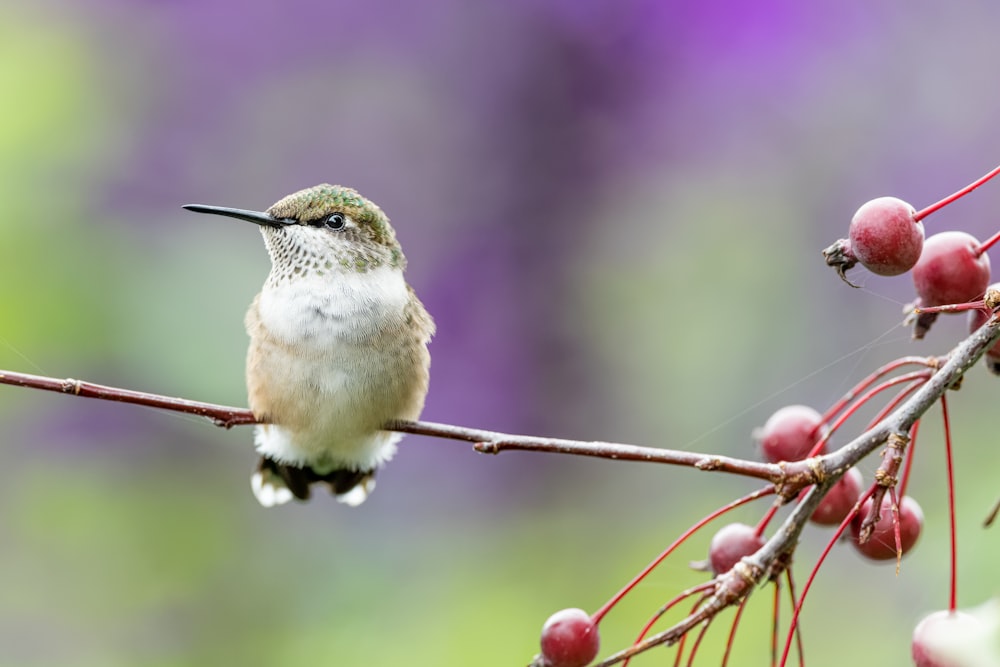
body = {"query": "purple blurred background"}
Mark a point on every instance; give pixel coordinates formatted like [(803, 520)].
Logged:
[(613, 210)]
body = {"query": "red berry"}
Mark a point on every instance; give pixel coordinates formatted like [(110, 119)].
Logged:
[(942, 639), (569, 639), (885, 237), (790, 433), (732, 543), (881, 544), (839, 500), (951, 270)]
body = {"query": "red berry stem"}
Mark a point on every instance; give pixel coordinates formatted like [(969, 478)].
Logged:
[(812, 575), (950, 471), (950, 308), (905, 479), (680, 644), (917, 377), (759, 493), (680, 651), (798, 628), (987, 244), (683, 640), (920, 215), (775, 623), (989, 302), (703, 588), (732, 631), (697, 640), (766, 519), (870, 380)]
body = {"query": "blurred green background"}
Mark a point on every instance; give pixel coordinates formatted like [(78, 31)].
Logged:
[(613, 210)]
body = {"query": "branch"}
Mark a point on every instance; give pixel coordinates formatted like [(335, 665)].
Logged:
[(492, 442), (487, 442), (788, 478), (221, 415)]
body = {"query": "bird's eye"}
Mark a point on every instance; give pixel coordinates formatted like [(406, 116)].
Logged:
[(336, 221)]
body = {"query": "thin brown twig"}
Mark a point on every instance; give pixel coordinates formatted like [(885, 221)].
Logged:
[(487, 442), (221, 415), (492, 442), (886, 477)]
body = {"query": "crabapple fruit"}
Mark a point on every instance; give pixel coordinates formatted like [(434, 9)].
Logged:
[(732, 543), (790, 433), (569, 639), (947, 639), (951, 269), (886, 237), (881, 544), (839, 500)]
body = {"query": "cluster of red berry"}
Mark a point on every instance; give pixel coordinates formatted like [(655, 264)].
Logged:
[(886, 236), (796, 432), (951, 273)]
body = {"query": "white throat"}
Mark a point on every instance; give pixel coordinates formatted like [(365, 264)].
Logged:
[(322, 309)]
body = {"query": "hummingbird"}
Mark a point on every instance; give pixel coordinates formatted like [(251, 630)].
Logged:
[(338, 345)]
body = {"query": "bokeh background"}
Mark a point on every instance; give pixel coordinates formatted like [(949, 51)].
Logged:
[(614, 211)]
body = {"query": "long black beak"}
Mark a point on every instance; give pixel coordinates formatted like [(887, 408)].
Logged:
[(255, 217)]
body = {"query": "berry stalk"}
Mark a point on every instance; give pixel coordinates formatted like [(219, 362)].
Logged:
[(759, 493), (952, 536), (704, 588), (956, 195), (812, 575), (987, 244)]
